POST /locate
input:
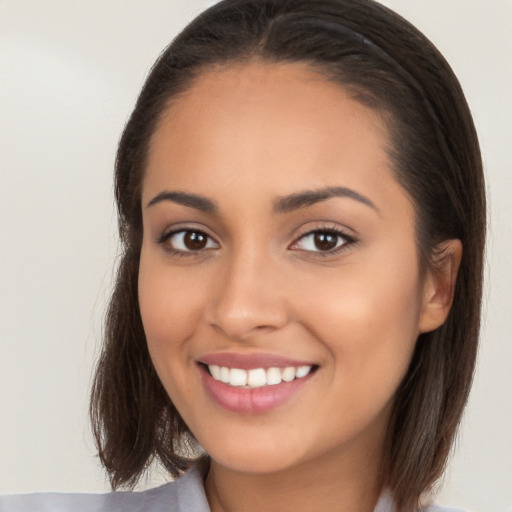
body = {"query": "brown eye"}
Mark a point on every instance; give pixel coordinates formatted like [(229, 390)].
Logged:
[(325, 241), (189, 240), (195, 241)]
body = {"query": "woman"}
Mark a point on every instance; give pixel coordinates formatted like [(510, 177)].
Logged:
[(302, 210)]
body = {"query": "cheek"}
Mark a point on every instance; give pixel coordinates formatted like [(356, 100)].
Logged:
[(169, 308), (370, 337), (368, 317)]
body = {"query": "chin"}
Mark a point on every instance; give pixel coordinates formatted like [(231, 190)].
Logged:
[(254, 459), (256, 465)]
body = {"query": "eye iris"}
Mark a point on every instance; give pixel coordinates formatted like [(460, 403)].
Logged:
[(194, 241), (325, 241)]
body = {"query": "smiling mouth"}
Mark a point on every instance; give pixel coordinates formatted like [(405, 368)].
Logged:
[(253, 383), (258, 377)]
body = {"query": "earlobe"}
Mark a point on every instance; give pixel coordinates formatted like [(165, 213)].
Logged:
[(439, 286)]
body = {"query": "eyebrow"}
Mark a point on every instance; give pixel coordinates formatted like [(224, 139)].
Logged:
[(307, 198), (284, 204), (186, 199)]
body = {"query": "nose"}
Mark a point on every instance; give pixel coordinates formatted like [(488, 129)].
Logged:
[(249, 298)]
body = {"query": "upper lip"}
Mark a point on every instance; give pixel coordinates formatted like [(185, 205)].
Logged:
[(251, 361)]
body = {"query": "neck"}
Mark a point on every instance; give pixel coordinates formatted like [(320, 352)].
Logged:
[(336, 483)]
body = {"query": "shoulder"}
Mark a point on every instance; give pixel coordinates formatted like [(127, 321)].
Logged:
[(150, 501), (437, 508), (386, 504), (184, 495)]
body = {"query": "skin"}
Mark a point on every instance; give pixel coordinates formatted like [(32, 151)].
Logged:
[(244, 136)]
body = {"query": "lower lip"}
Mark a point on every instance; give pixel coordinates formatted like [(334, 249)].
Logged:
[(251, 401)]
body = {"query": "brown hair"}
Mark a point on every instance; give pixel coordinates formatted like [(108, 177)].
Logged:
[(389, 65)]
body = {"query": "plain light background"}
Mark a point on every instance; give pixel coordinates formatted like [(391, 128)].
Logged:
[(70, 72)]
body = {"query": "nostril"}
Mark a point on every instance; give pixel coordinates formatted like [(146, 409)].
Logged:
[(245, 326)]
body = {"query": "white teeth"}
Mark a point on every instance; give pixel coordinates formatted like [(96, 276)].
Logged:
[(302, 371), (257, 377), (224, 374), (237, 377), (215, 371), (288, 373), (273, 376)]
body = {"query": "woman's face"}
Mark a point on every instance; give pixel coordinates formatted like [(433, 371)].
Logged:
[(279, 282)]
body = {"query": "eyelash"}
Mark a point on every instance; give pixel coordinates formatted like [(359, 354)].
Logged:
[(346, 240), (164, 240)]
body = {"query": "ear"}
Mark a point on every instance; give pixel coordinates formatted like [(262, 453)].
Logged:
[(439, 285)]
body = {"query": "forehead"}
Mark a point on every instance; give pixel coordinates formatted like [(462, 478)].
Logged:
[(294, 93), (257, 123)]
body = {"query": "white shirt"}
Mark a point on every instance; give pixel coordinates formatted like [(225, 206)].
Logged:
[(186, 494)]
